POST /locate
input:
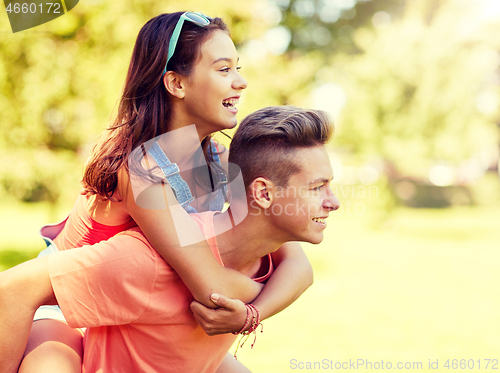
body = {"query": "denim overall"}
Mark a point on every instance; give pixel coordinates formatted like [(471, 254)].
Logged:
[(179, 186)]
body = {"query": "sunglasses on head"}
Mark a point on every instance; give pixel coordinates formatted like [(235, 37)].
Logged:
[(194, 17)]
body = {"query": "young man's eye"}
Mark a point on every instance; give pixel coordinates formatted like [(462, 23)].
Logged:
[(318, 188), (238, 68)]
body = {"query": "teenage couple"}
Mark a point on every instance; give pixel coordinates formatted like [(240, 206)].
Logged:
[(129, 258)]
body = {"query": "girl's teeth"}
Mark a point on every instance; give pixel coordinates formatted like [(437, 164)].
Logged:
[(320, 220), (230, 102)]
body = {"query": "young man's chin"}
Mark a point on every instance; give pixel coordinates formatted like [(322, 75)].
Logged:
[(316, 239)]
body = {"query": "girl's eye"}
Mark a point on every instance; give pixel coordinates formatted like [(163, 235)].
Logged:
[(318, 188), (228, 69)]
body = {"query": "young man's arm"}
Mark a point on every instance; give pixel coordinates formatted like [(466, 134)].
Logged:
[(23, 289)]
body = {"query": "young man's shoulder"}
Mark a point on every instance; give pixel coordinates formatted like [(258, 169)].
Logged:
[(132, 236)]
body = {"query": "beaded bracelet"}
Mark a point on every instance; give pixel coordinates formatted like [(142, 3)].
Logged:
[(252, 320), (247, 321)]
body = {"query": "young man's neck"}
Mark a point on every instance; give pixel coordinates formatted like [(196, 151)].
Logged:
[(243, 245)]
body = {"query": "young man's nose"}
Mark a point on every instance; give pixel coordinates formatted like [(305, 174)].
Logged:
[(331, 202)]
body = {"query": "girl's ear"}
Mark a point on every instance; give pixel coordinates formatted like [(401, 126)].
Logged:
[(173, 84), (261, 191)]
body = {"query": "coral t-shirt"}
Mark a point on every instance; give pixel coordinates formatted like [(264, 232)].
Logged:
[(135, 306)]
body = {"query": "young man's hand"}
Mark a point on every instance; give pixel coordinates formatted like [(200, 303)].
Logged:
[(228, 318)]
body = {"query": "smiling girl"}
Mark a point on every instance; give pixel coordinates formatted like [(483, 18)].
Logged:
[(183, 71)]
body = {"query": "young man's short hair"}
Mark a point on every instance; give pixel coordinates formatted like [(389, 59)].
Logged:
[(265, 141)]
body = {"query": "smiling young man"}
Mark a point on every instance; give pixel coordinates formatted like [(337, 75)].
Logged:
[(136, 308)]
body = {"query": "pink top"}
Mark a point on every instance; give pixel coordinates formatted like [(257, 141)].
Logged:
[(136, 306), (80, 229)]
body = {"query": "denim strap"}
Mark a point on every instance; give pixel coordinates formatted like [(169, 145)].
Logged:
[(171, 171), (217, 203)]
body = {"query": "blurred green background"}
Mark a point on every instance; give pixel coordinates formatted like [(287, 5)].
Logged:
[(408, 271)]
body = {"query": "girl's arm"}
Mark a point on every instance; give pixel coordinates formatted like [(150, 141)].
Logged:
[(22, 290), (195, 264), (292, 276)]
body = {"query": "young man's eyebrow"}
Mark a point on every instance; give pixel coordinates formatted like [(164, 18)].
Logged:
[(320, 180)]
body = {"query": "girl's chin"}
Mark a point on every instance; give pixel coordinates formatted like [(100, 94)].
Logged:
[(228, 124)]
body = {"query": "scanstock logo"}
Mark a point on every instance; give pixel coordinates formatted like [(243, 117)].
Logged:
[(27, 14)]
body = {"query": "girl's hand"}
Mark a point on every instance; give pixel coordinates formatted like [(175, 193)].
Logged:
[(228, 318)]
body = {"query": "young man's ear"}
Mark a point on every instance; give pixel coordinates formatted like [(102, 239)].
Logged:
[(174, 84), (261, 190)]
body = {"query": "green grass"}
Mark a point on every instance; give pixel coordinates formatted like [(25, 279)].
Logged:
[(19, 226), (421, 285)]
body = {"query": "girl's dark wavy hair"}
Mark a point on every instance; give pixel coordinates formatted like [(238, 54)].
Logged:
[(144, 111)]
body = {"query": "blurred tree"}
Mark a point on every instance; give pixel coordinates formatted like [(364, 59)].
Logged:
[(424, 89), (285, 62), (420, 77), (329, 25)]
